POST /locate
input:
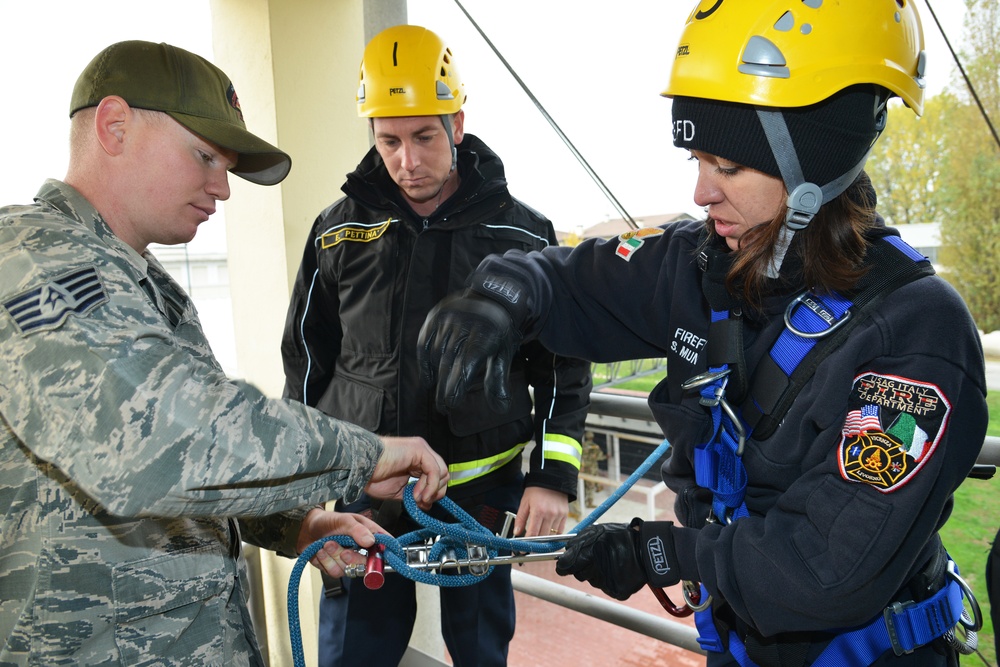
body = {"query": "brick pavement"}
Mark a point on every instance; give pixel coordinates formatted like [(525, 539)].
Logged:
[(549, 635), (553, 636)]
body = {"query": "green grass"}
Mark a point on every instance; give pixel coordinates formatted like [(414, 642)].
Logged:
[(968, 534), (993, 402), (643, 384)]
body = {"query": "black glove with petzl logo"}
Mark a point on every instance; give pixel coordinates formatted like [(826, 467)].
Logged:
[(620, 559), (465, 336)]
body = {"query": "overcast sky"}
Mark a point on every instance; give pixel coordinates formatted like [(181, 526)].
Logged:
[(597, 67)]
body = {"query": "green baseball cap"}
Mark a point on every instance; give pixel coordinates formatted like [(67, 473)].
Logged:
[(188, 88)]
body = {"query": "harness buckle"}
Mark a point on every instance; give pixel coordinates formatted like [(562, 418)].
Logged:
[(727, 517), (890, 615), (938, 616)]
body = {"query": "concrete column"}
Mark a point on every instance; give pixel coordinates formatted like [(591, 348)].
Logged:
[(294, 64)]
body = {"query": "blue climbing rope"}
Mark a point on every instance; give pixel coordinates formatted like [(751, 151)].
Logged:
[(454, 536)]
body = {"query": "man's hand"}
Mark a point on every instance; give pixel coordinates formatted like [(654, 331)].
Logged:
[(464, 334), (403, 458), (542, 512), (333, 558)]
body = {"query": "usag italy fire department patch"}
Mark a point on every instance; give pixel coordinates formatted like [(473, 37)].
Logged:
[(893, 427)]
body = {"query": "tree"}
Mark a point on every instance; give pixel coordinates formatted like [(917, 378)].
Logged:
[(903, 165), (970, 172)]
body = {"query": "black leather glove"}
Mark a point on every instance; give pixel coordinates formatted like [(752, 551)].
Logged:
[(464, 334), (607, 556), (621, 559)]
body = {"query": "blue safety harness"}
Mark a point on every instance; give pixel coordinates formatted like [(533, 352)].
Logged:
[(815, 325)]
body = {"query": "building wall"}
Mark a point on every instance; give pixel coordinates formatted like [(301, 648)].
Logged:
[(296, 62)]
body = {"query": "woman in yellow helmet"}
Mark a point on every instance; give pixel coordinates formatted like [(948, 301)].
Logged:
[(825, 393)]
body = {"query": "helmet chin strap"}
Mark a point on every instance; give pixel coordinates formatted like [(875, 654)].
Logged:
[(804, 198), (454, 158), (451, 142)]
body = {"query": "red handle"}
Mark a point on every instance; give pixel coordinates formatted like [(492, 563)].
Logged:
[(374, 577), (680, 611)]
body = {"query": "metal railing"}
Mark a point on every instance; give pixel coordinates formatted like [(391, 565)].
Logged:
[(606, 375), (657, 627)]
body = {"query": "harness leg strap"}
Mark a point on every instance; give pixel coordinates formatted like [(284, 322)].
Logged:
[(902, 627)]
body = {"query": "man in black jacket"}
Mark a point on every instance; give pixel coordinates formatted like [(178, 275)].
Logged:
[(422, 209)]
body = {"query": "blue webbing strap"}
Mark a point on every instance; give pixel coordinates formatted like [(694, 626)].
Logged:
[(901, 628), (889, 264), (717, 464), (809, 317), (708, 634)]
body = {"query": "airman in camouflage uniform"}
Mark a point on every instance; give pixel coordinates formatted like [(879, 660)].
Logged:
[(130, 466)]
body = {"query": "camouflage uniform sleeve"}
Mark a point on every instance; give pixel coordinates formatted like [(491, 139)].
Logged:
[(277, 532), (134, 408)]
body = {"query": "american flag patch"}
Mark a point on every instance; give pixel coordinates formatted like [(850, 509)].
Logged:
[(48, 306), (865, 419)]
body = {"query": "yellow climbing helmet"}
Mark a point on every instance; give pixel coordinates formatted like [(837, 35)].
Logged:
[(408, 70), (793, 53)]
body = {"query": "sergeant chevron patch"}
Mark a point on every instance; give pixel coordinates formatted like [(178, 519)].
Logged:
[(48, 306), (893, 426)]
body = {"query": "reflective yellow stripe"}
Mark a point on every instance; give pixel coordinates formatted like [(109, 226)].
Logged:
[(470, 470), (562, 448)]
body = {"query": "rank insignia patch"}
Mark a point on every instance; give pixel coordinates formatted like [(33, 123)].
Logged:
[(48, 306), (892, 428), (629, 242), (356, 232)]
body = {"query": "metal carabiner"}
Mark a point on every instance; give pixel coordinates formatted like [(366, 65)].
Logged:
[(819, 334), (977, 613), (741, 432), (701, 379), (692, 596), (678, 610), (706, 378)]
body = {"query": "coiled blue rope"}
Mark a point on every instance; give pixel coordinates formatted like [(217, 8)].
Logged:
[(454, 536)]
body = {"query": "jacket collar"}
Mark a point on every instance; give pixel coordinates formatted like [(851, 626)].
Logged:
[(72, 205), (480, 169)]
